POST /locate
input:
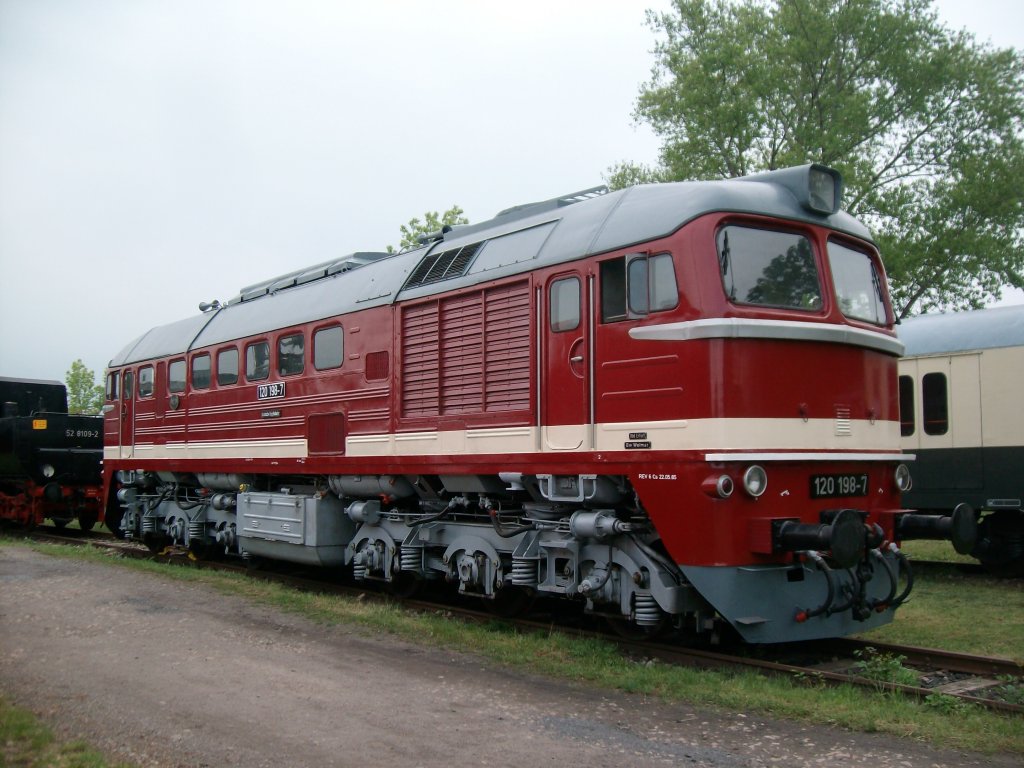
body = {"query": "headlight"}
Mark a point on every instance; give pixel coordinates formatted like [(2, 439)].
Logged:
[(903, 480), (48, 470), (755, 481)]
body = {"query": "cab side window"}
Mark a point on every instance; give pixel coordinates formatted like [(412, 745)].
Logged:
[(635, 285)]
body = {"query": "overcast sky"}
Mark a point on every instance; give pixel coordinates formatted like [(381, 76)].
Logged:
[(156, 153)]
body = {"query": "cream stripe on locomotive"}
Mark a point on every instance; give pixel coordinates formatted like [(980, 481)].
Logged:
[(704, 435)]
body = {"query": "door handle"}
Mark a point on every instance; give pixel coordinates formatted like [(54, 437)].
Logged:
[(576, 359)]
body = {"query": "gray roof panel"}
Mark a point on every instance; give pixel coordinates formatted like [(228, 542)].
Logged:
[(950, 332), (551, 235)]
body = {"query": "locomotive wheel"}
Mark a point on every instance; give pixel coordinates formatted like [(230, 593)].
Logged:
[(60, 523), (87, 520)]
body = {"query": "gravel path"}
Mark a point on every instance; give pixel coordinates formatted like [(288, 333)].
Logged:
[(170, 674)]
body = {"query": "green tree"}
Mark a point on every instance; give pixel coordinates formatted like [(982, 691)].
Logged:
[(432, 222), (924, 123), (84, 394)]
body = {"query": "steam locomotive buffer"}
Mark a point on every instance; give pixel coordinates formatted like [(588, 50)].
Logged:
[(674, 403)]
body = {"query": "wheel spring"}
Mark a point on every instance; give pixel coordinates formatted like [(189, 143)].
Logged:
[(411, 559), (149, 524), (359, 571), (196, 530), (648, 614), (524, 572)]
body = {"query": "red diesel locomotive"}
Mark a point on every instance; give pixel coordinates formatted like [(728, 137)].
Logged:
[(674, 402)]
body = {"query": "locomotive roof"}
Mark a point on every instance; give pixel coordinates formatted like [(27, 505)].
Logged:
[(962, 331), (518, 240)]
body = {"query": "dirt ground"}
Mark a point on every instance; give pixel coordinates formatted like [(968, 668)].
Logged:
[(168, 674)]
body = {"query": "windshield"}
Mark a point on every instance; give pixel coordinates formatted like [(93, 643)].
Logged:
[(858, 284), (768, 268)]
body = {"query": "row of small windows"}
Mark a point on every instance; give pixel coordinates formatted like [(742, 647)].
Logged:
[(328, 353), (934, 405)]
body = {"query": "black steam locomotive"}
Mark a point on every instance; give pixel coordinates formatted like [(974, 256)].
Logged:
[(50, 460)]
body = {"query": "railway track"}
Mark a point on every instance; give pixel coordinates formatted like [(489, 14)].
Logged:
[(929, 674)]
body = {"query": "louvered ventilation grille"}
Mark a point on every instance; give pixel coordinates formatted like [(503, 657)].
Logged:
[(844, 427), (443, 266)]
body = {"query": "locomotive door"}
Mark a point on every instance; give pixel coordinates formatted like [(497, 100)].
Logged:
[(127, 414), (566, 367)]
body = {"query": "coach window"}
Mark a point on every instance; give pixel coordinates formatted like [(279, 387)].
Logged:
[(768, 268), (291, 354), (227, 367), (201, 371), (176, 376), (935, 404), (858, 285), (328, 348), (257, 361), (146, 381), (907, 424), (565, 304)]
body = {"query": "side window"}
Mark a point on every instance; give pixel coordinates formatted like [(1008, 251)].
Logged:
[(176, 376), (291, 354), (564, 303), (651, 284), (907, 425), (227, 367), (112, 379), (201, 371), (634, 286), (257, 361), (146, 381), (328, 348), (934, 394), (127, 389)]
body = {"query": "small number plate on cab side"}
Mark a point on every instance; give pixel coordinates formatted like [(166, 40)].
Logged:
[(834, 486)]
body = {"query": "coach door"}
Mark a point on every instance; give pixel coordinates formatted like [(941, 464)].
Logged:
[(946, 427), (127, 414), (566, 365)]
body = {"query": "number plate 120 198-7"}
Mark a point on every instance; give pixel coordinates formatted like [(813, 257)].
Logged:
[(834, 486)]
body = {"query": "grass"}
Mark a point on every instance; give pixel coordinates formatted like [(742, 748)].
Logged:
[(926, 621), (26, 743), (970, 614)]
